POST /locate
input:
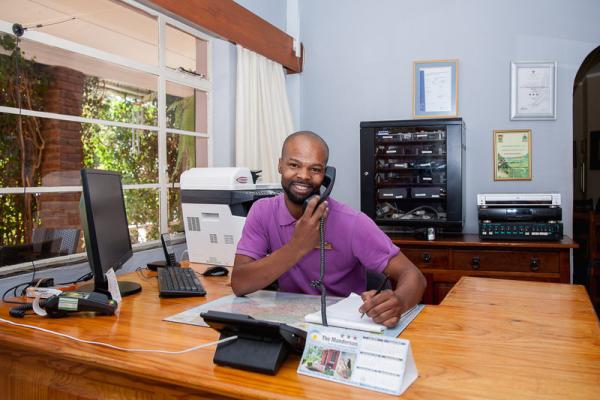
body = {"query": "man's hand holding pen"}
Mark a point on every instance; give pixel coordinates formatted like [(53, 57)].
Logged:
[(383, 306)]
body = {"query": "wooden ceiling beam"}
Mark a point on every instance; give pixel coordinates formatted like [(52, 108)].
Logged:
[(229, 20)]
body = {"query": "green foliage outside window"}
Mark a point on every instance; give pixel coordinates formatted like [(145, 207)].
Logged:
[(131, 152), (20, 169), (181, 151)]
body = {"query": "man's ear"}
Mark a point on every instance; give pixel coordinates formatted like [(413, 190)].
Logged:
[(279, 166)]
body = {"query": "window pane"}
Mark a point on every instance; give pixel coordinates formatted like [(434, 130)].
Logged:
[(185, 152), (131, 152), (185, 51), (142, 214), (53, 152), (62, 82), (186, 108), (16, 215), (49, 152), (38, 226), (11, 150), (175, 214), (102, 24)]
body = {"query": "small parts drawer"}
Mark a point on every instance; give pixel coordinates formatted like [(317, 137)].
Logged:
[(427, 258), (509, 261)]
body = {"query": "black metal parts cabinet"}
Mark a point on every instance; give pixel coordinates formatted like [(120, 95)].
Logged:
[(413, 174)]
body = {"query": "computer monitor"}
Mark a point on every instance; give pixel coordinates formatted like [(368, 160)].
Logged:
[(105, 228)]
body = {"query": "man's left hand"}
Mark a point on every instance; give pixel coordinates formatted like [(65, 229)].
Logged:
[(384, 308)]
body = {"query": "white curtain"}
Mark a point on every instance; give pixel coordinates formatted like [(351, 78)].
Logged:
[(262, 114)]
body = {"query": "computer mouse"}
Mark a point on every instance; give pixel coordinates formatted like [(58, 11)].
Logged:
[(217, 270)]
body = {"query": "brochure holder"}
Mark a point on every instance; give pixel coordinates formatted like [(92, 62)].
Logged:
[(355, 358), (261, 346)]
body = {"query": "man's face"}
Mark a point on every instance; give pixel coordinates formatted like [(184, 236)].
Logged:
[(302, 168)]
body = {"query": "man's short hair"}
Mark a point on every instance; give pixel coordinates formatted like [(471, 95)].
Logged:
[(309, 134)]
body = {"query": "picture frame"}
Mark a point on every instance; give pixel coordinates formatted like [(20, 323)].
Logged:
[(533, 90), (435, 89), (512, 155)]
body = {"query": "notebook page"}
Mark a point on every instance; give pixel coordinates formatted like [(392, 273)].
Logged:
[(345, 314)]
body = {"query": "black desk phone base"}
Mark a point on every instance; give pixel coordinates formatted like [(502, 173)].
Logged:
[(261, 346)]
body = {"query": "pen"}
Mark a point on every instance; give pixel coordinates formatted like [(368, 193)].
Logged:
[(387, 278)]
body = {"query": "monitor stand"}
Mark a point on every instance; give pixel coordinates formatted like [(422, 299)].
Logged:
[(125, 287)]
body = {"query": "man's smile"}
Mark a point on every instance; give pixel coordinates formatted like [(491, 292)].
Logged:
[(302, 188)]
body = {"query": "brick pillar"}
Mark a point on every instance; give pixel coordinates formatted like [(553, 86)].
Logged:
[(63, 151)]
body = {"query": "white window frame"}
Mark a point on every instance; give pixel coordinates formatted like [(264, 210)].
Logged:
[(163, 74)]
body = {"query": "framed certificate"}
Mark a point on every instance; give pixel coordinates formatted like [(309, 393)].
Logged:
[(532, 90), (435, 88), (512, 155)]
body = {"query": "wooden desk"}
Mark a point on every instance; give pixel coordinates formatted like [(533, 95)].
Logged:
[(492, 339), (501, 339)]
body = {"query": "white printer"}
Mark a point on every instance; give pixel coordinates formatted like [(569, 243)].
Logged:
[(215, 202)]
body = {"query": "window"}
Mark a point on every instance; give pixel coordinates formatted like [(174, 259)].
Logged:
[(103, 84)]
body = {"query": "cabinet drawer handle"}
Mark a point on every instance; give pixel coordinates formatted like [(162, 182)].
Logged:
[(426, 257), (475, 262), (534, 264)]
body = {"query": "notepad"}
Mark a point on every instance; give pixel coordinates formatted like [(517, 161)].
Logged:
[(345, 314)]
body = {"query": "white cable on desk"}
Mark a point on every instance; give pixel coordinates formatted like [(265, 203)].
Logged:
[(117, 347)]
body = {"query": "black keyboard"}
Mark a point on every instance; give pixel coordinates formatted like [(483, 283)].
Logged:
[(179, 282)]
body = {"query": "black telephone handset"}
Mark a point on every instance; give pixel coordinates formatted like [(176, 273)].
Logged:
[(165, 238), (324, 192), (326, 186)]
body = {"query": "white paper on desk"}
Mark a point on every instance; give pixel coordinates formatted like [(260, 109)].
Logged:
[(345, 314)]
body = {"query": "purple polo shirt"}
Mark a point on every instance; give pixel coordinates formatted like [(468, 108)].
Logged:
[(356, 243)]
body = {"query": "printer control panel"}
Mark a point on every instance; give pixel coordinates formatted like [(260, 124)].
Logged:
[(263, 193)]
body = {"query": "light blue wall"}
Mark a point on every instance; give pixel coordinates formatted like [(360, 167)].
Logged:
[(272, 11), (358, 66), (223, 98)]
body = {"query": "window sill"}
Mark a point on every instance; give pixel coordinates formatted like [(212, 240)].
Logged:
[(78, 258)]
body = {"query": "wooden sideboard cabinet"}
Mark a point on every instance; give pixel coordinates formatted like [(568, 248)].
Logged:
[(444, 261)]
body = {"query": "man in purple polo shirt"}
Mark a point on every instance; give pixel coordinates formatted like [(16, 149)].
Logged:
[(280, 241)]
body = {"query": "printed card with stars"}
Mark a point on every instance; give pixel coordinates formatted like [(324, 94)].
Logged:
[(357, 358)]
